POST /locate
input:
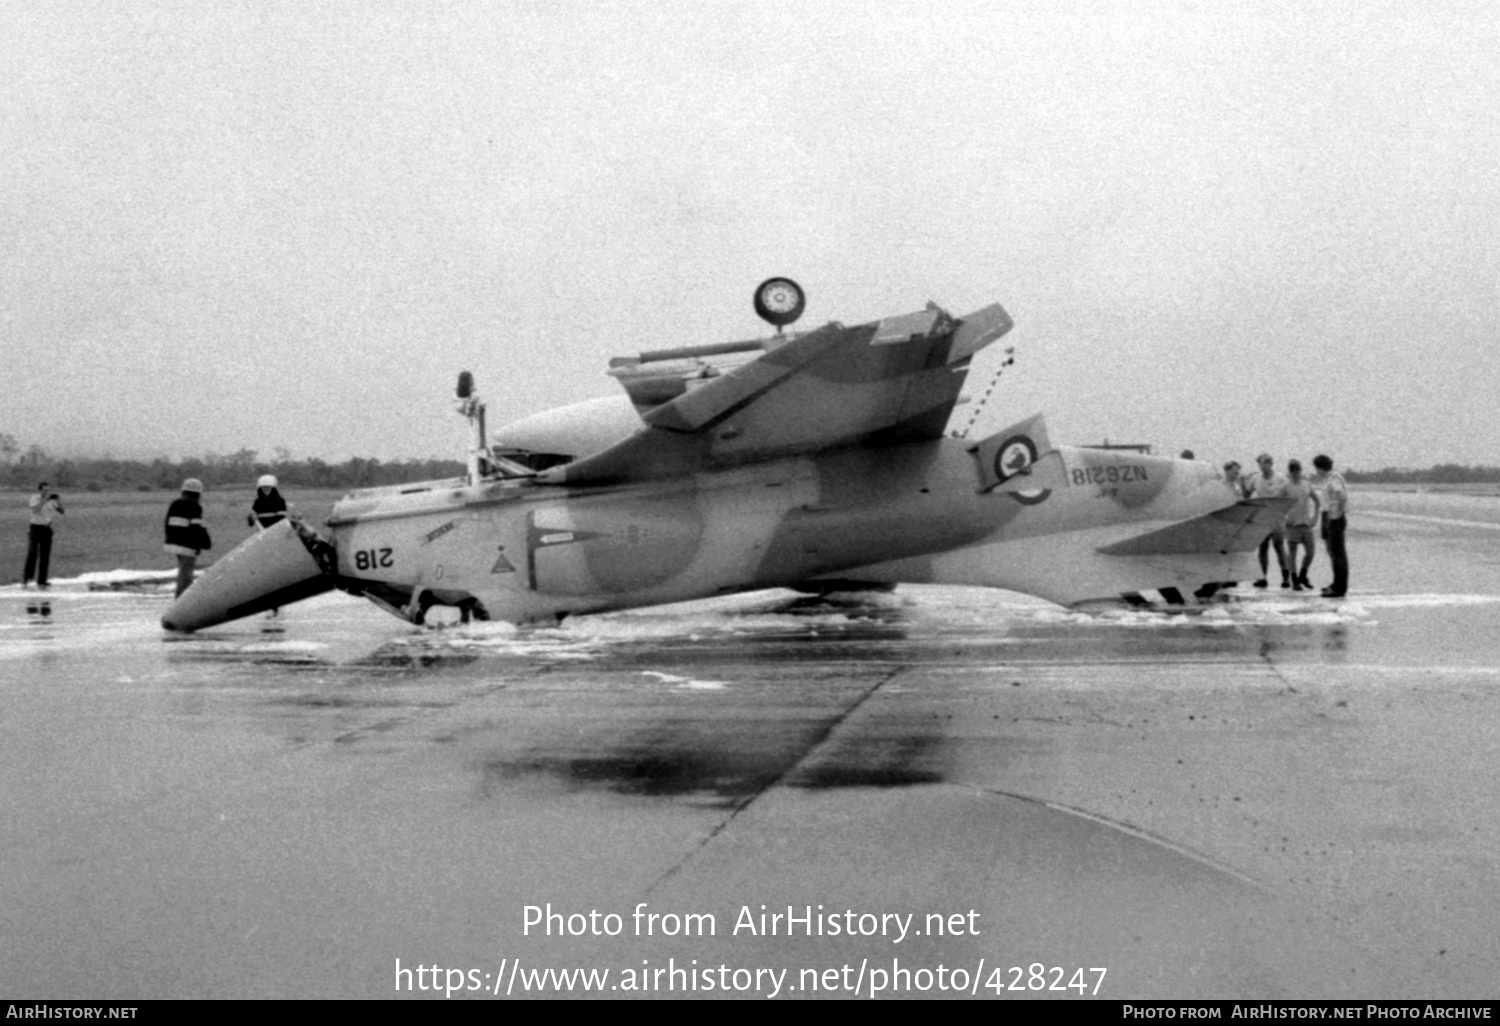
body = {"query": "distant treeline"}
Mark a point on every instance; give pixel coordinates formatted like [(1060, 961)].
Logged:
[(23, 469), (1443, 473), (26, 469)]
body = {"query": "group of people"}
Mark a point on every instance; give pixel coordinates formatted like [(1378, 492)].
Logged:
[(1320, 501), (186, 537)]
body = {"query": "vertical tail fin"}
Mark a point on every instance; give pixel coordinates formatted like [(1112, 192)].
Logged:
[(1012, 453)]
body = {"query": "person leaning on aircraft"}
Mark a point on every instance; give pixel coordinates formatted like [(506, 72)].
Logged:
[(1269, 485), (269, 507), (1233, 479)]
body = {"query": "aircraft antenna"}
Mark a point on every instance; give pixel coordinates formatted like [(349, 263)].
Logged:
[(1010, 358)]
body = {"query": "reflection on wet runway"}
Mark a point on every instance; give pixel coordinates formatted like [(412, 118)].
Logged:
[(1224, 801)]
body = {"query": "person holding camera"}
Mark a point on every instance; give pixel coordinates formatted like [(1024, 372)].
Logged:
[(46, 507)]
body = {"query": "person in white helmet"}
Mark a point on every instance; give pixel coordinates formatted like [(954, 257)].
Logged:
[(186, 535), (269, 507)]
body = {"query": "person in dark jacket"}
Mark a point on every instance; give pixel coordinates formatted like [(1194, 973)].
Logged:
[(186, 535), (269, 507)]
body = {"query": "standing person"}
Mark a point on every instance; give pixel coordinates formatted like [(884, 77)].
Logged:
[(269, 507), (1335, 507), (1269, 485), (1299, 523), (1233, 479), (45, 507), (186, 535)]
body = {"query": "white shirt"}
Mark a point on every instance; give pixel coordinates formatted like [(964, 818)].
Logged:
[(44, 509), (1335, 494), (1305, 510), (1262, 487)]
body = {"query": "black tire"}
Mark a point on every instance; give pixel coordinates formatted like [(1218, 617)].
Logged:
[(788, 301)]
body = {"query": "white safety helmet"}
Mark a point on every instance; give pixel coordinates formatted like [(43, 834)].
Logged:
[(193, 485), (266, 481)]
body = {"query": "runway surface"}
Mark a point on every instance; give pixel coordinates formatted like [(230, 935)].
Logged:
[(1279, 796)]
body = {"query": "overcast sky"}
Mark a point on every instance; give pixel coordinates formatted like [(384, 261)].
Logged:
[(1225, 227)]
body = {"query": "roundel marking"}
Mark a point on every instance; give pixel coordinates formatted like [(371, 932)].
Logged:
[(1014, 456)]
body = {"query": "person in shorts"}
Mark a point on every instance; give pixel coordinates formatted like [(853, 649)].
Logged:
[(1269, 485), (1300, 519)]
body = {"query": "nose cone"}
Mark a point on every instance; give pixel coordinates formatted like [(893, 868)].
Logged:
[(271, 568)]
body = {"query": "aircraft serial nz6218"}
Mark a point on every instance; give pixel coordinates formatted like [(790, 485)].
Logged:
[(816, 461)]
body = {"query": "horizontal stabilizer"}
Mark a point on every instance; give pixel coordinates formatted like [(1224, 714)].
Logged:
[(1236, 528)]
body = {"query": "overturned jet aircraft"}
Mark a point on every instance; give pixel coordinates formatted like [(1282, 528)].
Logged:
[(816, 461)]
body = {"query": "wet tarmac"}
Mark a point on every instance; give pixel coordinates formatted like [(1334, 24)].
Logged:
[(1278, 796)]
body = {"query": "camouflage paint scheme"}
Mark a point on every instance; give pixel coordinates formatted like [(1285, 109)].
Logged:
[(819, 463)]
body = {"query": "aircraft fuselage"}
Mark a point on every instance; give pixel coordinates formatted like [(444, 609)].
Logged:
[(524, 552), (820, 462)]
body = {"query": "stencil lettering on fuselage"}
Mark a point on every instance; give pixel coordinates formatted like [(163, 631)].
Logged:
[(1130, 481), (437, 532)]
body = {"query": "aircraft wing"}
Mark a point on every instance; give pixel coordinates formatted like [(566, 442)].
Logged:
[(1236, 528), (891, 381)]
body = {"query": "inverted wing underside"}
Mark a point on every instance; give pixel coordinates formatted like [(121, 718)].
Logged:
[(1065, 568), (895, 380), (1236, 528)]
